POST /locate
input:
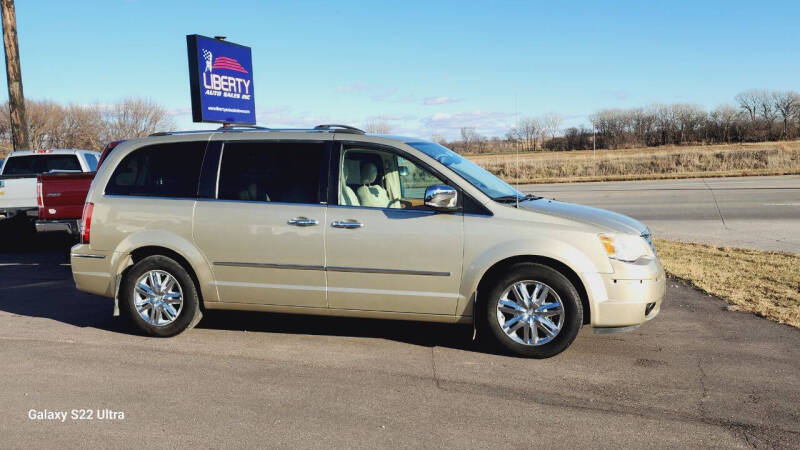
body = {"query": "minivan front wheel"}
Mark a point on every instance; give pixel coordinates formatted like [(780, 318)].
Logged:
[(534, 311), (160, 297)]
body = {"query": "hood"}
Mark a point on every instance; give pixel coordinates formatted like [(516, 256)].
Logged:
[(609, 220)]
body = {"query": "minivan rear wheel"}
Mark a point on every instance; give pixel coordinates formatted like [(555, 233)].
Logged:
[(160, 297), (534, 311)]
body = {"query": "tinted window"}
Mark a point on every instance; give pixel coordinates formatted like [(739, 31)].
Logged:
[(163, 170), (271, 172), (36, 164), (91, 161)]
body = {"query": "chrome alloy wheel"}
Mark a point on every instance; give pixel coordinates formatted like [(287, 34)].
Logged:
[(158, 298), (530, 313)]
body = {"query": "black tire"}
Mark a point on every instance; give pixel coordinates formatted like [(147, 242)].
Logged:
[(189, 314), (572, 307)]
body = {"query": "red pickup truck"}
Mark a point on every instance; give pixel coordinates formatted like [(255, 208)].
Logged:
[(61, 197)]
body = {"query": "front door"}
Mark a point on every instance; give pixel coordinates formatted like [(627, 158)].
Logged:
[(385, 250), (263, 234)]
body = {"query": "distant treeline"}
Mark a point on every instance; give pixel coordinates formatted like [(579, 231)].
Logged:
[(758, 115), (54, 125)]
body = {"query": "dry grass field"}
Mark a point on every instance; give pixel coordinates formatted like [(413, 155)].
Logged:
[(767, 158), (765, 283)]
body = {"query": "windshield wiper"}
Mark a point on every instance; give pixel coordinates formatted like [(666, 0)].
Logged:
[(515, 198)]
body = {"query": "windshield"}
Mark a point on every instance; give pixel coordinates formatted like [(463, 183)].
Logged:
[(473, 173)]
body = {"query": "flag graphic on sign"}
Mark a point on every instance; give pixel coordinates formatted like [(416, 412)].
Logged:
[(223, 62), (207, 58)]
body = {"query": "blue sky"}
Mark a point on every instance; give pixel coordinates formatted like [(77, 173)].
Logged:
[(425, 67)]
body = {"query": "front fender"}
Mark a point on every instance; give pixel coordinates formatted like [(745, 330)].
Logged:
[(477, 266)]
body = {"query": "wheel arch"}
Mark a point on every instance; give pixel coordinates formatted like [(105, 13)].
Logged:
[(494, 271), (141, 245), (154, 250)]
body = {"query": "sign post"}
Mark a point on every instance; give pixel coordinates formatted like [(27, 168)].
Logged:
[(221, 81)]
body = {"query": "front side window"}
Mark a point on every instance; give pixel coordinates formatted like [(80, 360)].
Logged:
[(271, 172), (161, 170), (381, 179), (38, 164)]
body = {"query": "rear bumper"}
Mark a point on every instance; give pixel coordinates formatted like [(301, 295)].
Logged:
[(91, 270), (10, 213), (49, 226)]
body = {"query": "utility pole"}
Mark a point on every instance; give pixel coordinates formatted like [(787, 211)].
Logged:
[(16, 100)]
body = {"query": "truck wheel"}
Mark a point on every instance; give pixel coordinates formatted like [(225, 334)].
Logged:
[(160, 297), (534, 311)]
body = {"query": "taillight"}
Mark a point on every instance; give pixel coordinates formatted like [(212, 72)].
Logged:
[(39, 198), (86, 222)]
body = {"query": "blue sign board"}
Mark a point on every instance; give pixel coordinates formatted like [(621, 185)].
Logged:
[(221, 80)]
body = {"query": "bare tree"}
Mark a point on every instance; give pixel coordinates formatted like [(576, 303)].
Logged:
[(787, 105), (724, 117), (378, 127), (136, 117), (439, 139), (766, 107), (527, 131), (45, 124), (473, 142), (688, 117), (551, 124), (83, 127), (749, 101), (53, 125)]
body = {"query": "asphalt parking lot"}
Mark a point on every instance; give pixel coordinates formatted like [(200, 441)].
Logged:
[(696, 376)]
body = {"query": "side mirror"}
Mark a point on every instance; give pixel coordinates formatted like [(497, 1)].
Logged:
[(441, 198), (403, 171)]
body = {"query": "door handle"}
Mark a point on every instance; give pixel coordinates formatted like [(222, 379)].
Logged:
[(347, 224), (302, 222)]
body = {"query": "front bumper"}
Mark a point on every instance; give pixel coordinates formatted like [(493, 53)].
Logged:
[(630, 296)]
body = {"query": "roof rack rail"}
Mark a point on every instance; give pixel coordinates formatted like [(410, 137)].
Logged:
[(341, 128), (230, 127), (325, 128)]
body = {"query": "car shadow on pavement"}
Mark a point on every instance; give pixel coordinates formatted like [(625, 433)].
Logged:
[(457, 336), (36, 281)]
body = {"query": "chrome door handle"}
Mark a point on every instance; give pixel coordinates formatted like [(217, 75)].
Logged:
[(347, 224), (302, 222)]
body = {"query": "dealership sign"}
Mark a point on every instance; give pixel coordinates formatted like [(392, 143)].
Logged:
[(221, 80)]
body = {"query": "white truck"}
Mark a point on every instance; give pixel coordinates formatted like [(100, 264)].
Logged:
[(19, 198)]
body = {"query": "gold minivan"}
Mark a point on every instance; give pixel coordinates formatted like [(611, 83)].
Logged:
[(337, 222)]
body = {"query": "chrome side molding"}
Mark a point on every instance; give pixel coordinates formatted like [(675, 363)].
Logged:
[(268, 266), (387, 271), (332, 268), (87, 255)]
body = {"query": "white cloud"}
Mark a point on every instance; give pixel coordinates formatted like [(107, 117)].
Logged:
[(488, 123), (353, 88), (442, 100)]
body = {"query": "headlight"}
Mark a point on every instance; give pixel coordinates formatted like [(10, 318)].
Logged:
[(625, 247)]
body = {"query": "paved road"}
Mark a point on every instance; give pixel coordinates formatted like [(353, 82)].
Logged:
[(696, 376), (752, 212)]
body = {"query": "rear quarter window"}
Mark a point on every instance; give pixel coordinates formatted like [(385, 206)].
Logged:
[(91, 161), (161, 170)]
